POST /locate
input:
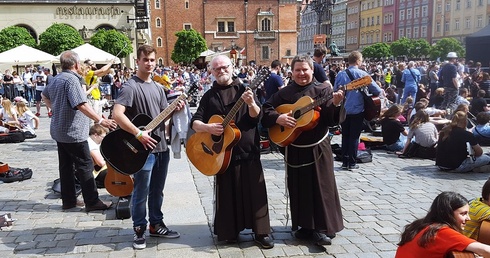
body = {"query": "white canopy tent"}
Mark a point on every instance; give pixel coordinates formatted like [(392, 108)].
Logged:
[(207, 53), (24, 55), (96, 55)]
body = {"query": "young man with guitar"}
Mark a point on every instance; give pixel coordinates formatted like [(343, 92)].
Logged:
[(315, 205), (141, 95), (355, 109), (241, 196)]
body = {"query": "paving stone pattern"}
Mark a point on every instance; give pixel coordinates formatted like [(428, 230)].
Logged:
[(378, 200)]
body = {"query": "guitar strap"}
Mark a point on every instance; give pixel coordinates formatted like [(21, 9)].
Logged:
[(351, 77)]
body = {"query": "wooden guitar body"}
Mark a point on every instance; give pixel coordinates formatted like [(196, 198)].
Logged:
[(483, 237), (283, 136), (118, 184), (211, 154), (123, 151), (372, 107)]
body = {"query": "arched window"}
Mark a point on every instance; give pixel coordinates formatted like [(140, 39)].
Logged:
[(159, 42), (266, 24), (160, 62), (157, 4), (158, 23)]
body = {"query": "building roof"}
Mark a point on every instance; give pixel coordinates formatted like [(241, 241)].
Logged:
[(67, 2)]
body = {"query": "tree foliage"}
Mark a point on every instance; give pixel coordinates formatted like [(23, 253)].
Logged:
[(377, 51), (58, 38), (112, 41), (15, 36), (446, 45), (400, 47), (190, 44), (419, 48)]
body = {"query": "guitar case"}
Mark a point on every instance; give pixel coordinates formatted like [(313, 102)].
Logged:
[(123, 208)]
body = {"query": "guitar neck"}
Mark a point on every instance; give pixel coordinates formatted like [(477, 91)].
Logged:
[(165, 114), (315, 104)]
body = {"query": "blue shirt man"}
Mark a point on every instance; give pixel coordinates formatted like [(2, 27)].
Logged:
[(275, 82)]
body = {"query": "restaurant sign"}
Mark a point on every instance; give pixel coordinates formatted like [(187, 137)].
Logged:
[(75, 10)]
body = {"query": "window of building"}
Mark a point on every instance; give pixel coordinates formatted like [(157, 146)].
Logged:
[(265, 24), (416, 32), (439, 8), (456, 24), (377, 20), (226, 26), (265, 52), (385, 37), (425, 11), (480, 2), (377, 37), (390, 37), (448, 6), (372, 20), (186, 4), (187, 26), (402, 15), (458, 5), (423, 32), (158, 22), (160, 62), (409, 13), (467, 23), (231, 26), (159, 42), (221, 26), (288, 52), (479, 22), (416, 12), (157, 4), (438, 26), (468, 3), (409, 33), (401, 33), (446, 26)]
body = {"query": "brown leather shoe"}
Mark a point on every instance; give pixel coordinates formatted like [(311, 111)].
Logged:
[(67, 206), (99, 206)]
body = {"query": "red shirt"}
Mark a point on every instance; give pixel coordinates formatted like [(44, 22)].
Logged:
[(446, 239)]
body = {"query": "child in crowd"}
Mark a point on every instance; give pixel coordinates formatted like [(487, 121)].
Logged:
[(27, 120), (425, 133), (479, 211), (392, 130), (440, 231)]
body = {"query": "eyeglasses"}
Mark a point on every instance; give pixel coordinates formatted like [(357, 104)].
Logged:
[(217, 69)]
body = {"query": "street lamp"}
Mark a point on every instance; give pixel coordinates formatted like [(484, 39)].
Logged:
[(319, 7)]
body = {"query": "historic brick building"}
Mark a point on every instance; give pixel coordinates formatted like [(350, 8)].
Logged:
[(246, 30)]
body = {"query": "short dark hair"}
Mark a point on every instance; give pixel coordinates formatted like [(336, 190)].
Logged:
[(482, 93), (485, 190), (275, 63), (145, 49), (482, 118), (319, 52)]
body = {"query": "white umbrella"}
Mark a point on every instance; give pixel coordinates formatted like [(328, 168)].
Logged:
[(25, 55), (207, 53), (96, 55)]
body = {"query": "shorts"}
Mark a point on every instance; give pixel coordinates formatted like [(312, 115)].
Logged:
[(38, 95), (105, 89)]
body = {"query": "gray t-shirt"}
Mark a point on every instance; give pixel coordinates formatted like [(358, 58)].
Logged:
[(425, 134), (140, 97)]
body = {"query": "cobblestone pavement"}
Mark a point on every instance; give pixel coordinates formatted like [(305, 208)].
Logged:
[(377, 201)]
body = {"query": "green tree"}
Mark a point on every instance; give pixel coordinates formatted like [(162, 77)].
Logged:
[(15, 36), (377, 51), (112, 41), (400, 47), (58, 38), (446, 45), (190, 44), (419, 48)]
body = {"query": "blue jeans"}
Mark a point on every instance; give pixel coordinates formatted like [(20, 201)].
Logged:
[(409, 91), (469, 164), (148, 186), (351, 131), (398, 145)]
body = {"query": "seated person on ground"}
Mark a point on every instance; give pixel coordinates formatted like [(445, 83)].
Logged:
[(392, 130), (479, 211), (96, 135), (440, 231), (479, 104), (452, 154), (27, 120), (9, 114), (425, 133), (461, 99), (407, 108), (431, 111), (482, 130), (436, 98)]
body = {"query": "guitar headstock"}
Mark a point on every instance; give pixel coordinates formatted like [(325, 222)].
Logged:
[(261, 76), (358, 83)]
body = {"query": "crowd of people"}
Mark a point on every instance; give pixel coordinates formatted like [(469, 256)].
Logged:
[(412, 96)]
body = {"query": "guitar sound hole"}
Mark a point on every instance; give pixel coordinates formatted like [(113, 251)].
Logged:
[(296, 114), (216, 138)]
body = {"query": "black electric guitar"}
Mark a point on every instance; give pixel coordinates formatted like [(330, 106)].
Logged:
[(123, 151)]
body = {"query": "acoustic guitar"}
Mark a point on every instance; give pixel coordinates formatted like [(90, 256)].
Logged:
[(372, 107), (307, 117), (211, 154), (118, 184), (123, 151)]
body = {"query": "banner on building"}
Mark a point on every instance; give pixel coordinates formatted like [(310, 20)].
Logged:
[(141, 8), (319, 39)]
